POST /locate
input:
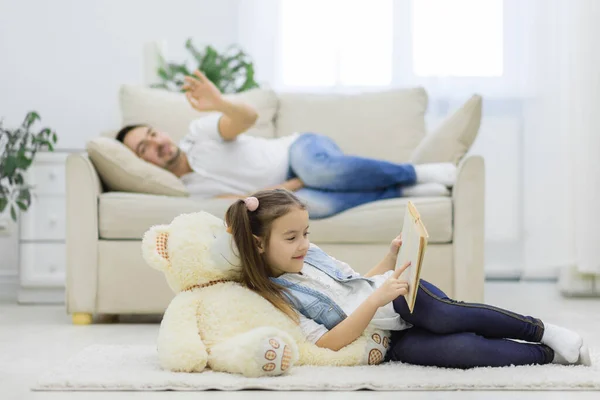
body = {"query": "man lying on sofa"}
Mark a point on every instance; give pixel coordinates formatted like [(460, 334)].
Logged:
[(215, 159)]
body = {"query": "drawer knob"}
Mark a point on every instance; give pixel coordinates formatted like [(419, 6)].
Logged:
[(52, 176), (53, 268), (53, 220)]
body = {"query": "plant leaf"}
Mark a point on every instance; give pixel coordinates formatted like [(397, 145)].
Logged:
[(163, 74), (13, 213), (231, 70), (30, 118), (22, 161), (22, 205), (3, 203), (25, 196), (198, 56), (10, 165)]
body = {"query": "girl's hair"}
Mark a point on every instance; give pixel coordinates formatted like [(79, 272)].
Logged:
[(272, 204)]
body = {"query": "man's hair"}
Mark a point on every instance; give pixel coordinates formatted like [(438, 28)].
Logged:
[(125, 130)]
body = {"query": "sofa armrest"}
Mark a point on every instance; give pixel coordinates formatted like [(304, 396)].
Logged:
[(83, 187), (468, 198)]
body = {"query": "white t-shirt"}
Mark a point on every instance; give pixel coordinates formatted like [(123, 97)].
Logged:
[(241, 166), (348, 296)]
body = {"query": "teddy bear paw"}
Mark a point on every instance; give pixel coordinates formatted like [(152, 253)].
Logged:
[(276, 356), (379, 345)]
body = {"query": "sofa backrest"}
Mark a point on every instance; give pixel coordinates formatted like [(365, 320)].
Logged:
[(386, 125)]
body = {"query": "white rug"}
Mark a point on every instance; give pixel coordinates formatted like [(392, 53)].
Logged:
[(136, 368)]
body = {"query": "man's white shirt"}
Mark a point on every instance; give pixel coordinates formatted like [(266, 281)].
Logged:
[(240, 166)]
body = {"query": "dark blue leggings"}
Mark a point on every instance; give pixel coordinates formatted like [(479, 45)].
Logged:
[(454, 334)]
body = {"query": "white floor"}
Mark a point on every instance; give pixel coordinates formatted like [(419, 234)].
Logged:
[(35, 338)]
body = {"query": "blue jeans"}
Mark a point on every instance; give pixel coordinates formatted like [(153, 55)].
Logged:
[(454, 334), (335, 182)]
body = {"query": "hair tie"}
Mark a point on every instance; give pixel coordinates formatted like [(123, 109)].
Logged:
[(251, 203)]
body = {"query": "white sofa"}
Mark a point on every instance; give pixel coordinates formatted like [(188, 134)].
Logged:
[(113, 197)]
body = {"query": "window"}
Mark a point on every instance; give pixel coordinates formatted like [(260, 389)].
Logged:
[(334, 43), (448, 46), (460, 38)]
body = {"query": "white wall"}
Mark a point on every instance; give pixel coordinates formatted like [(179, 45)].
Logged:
[(67, 58)]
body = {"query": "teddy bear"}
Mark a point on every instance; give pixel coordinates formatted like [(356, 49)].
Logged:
[(217, 323)]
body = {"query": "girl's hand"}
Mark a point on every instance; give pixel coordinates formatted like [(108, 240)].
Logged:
[(392, 288), (395, 246)]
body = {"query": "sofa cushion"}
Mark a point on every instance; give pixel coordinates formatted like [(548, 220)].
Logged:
[(120, 169), (128, 216), (170, 112), (385, 125), (453, 138)]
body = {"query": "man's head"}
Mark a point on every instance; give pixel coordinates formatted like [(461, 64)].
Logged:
[(150, 145)]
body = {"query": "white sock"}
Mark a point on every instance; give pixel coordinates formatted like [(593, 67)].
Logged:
[(558, 359), (444, 173), (584, 358), (425, 189), (563, 341)]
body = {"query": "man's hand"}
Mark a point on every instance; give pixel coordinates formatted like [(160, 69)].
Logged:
[(293, 184), (230, 196), (201, 93), (392, 288)]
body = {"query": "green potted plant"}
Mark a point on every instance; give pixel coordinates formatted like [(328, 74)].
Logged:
[(232, 71), (17, 150)]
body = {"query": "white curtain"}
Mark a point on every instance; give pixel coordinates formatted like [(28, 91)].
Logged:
[(562, 140), (585, 148), (532, 60)]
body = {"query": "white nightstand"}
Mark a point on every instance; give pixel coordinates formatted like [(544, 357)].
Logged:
[(42, 231)]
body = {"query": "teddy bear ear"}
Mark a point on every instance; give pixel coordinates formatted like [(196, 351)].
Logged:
[(155, 248)]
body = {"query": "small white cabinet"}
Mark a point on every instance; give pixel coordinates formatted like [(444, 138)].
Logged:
[(42, 232)]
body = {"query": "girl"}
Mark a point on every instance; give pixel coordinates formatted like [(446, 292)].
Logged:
[(333, 304)]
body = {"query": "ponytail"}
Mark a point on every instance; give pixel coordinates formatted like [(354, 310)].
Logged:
[(238, 220)]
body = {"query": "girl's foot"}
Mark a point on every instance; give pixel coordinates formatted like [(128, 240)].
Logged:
[(584, 358), (563, 341)]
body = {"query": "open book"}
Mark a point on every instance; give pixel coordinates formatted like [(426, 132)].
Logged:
[(414, 243)]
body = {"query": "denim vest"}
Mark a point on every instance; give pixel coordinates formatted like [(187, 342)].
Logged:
[(310, 303)]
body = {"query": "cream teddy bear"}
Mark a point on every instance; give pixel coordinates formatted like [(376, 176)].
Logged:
[(215, 322)]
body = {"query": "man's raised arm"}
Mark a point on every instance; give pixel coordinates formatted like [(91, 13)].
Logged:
[(203, 96)]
